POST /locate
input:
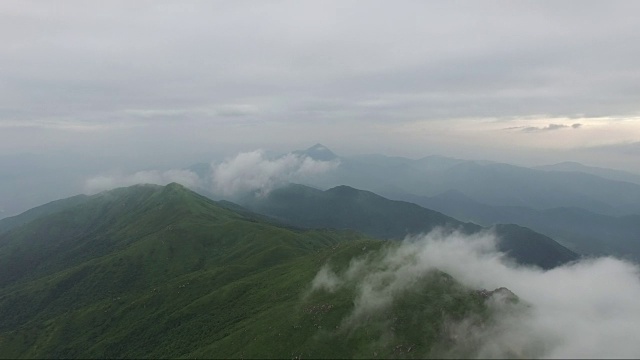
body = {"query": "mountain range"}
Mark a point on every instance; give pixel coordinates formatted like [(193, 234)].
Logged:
[(581, 230), (160, 271), (593, 211), (344, 207), (612, 174), (164, 271), (489, 183)]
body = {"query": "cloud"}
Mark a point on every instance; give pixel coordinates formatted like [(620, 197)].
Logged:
[(104, 182), (549, 127), (236, 76), (450, 63), (245, 172), (587, 309), (253, 171)]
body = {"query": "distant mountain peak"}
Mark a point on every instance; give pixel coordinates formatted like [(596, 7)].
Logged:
[(318, 146), (344, 189), (318, 152), (570, 163)]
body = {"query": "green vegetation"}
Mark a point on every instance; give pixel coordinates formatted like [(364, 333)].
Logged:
[(161, 272), (12, 222)]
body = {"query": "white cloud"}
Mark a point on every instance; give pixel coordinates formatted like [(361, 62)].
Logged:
[(247, 171), (587, 309), (104, 182), (253, 171)]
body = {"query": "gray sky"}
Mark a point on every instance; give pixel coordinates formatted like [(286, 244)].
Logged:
[(521, 82)]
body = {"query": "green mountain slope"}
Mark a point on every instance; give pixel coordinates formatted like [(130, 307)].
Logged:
[(12, 222), (344, 207), (161, 272)]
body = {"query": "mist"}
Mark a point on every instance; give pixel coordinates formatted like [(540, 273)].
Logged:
[(586, 309)]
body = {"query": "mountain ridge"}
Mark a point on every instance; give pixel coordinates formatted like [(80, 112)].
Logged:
[(612, 174), (581, 230), (492, 183), (184, 277), (344, 207)]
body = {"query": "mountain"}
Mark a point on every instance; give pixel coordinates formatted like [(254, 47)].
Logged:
[(344, 207), (9, 223), (162, 272), (570, 166), (490, 183), (318, 152), (581, 230)]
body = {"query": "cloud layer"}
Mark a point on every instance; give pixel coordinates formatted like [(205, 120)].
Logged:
[(194, 76), (588, 309), (253, 171), (244, 173)]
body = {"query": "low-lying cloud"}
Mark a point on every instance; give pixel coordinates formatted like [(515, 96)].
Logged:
[(106, 182), (587, 309), (253, 171), (246, 172)]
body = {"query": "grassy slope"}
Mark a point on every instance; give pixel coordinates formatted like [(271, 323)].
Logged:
[(12, 222), (152, 271)]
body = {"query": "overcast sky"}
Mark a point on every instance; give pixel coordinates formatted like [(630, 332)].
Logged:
[(522, 82)]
